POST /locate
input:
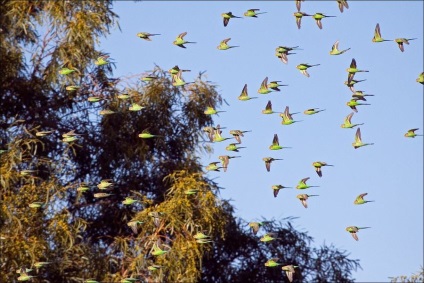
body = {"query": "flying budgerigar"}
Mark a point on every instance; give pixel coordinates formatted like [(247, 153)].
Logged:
[(283, 51), (420, 78), (287, 117), (318, 17), (244, 96), (145, 134), (268, 237), (180, 41), (335, 49), (276, 189), (353, 103), (217, 137), (352, 70), (233, 147), (274, 85), (23, 275), (227, 16), (304, 67), (348, 123), (268, 161), (225, 160), (268, 108), (177, 79), (146, 35), (253, 13), (290, 270), (136, 107), (411, 133), (303, 198), (358, 141), (254, 226), (157, 251), (272, 262), (224, 44), (377, 35), (275, 144), (211, 111), (317, 165), (401, 41), (129, 201), (360, 199), (353, 230), (175, 70), (342, 4), (101, 60), (213, 166), (312, 111), (360, 95), (105, 184), (302, 184), (299, 4), (264, 87), (211, 131), (66, 71), (298, 15), (352, 83), (237, 134)]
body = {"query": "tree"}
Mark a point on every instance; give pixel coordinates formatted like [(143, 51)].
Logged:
[(83, 196), (417, 277)]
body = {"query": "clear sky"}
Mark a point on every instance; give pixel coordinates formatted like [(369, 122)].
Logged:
[(390, 171)]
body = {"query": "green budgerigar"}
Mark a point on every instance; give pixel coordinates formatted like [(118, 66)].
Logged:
[(244, 96), (145, 134), (146, 35), (411, 133), (268, 237), (276, 144), (353, 103), (352, 70), (318, 17), (213, 166), (180, 41), (276, 189), (225, 160), (287, 117), (268, 108), (253, 13), (348, 123), (223, 45), (420, 78), (268, 161), (352, 83), (237, 134), (401, 41), (377, 35), (317, 165), (354, 229), (360, 199), (335, 49), (272, 262), (233, 147), (303, 198), (302, 184), (358, 140), (304, 67), (312, 111), (360, 95), (227, 16), (298, 15), (342, 4), (274, 85), (264, 87)]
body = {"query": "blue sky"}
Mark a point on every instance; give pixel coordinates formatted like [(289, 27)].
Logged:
[(390, 171)]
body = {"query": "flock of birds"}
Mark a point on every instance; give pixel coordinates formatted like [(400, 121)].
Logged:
[(214, 133)]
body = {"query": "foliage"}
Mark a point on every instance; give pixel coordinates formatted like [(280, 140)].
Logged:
[(49, 206), (414, 278)]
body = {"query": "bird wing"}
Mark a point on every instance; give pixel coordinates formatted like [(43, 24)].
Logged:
[(275, 140)]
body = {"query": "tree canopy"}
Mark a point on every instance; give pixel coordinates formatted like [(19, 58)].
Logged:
[(83, 196)]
